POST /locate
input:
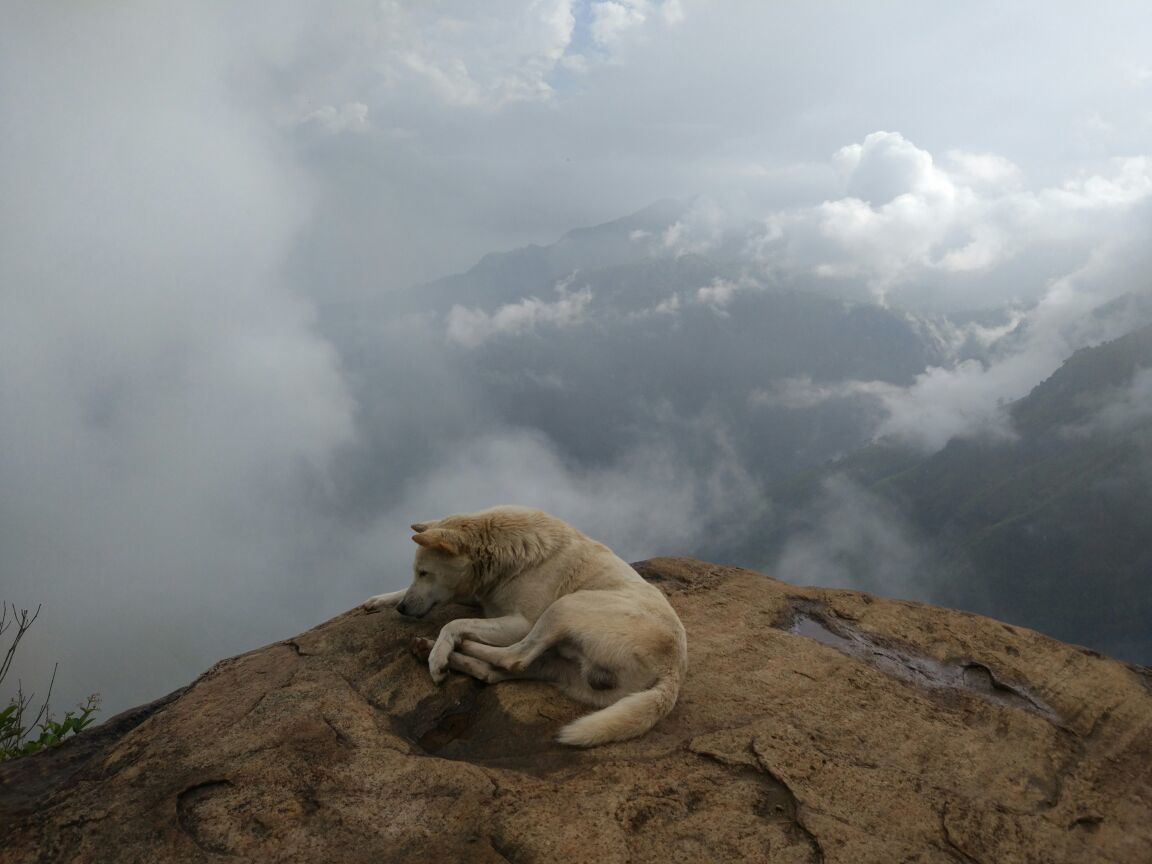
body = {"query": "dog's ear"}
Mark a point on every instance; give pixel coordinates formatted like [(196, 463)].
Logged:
[(440, 539), (421, 527)]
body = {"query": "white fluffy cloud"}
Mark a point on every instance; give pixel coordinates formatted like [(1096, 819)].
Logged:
[(611, 20), (699, 230), (899, 211), (966, 231), (473, 327), (332, 119), (850, 537), (644, 504), (985, 171), (649, 501), (964, 401), (1132, 405), (488, 56), (969, 398), (886, 166), (474, 55), (717, 294)]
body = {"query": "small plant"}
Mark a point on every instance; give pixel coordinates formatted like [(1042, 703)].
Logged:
[(16, 732), (14, 740)]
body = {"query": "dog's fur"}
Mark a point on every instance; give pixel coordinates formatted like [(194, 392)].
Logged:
[(558, 607)]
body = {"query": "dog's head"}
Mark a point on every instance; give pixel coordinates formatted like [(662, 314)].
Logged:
[(441, 571)]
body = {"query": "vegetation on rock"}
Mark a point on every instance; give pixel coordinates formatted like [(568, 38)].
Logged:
[(20, 736)]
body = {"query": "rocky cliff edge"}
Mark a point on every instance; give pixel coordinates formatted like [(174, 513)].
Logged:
[(814, 726)]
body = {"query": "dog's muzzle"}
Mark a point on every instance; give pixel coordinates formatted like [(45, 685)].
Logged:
[(408, 612)]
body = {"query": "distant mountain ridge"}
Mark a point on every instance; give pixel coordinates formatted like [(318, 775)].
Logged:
[(1053, 529), (504, 277), (680, 335)]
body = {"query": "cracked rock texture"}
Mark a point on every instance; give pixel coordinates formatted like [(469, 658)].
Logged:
[(815, 726)]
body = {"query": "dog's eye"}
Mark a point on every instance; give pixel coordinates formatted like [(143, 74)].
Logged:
[(422, 573)]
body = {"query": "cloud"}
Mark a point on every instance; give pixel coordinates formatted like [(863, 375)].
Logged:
[(612, 20), (717, 294), (885, 166), (171, 414), (668, 307), (963, 232), (640, 505), (473, 327), (651, 499), (968, 396), (904, 216), (478, 57), (983, 170), (850, 538), (566, 131), (803, 392), (1129, 407), (1133, 406), (1130, 182), (349, 117), (965, 401), (1074, 313), (699, 231)]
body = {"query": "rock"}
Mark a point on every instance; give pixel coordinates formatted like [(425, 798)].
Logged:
[(815, 726)]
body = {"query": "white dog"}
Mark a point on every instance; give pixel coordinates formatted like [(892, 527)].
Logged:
[(559, 607)]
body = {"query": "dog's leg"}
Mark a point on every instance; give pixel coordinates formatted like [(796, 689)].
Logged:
[(519, 656), (478, 669), (494, 631), (567, 674), (461, 660), (549, 666), (383, 601), (563, 622), (487, 653)]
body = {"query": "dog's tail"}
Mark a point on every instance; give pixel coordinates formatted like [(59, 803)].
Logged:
[(633, 715)]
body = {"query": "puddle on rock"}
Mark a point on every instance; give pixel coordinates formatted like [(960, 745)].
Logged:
[(810, 620)]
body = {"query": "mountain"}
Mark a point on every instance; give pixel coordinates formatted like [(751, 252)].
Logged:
[(504, 277), (627, 358), (814, 726), (599, 338), (616, 357), (1049, 529)]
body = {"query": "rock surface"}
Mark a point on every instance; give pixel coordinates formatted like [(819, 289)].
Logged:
[(815, 726)]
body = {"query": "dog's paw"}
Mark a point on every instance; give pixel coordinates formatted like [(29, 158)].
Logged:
[(438, 659), (420, 647), (381, 601), (515, 664)]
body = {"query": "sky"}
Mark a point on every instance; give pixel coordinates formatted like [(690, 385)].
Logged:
[(188, 189)]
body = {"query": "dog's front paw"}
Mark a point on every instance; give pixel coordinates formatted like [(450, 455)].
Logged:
[(421, 648), (438, 659), (382, 601)]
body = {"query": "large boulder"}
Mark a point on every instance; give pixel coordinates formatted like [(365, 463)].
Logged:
[(814, 726)]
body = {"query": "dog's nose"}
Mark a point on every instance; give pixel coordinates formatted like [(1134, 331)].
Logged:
[(402, 608)]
